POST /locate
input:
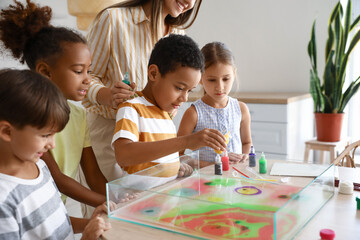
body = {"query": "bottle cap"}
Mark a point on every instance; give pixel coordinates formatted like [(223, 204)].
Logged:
[(327, 234), (126, 79), (225, 154), (346, 187), (218, 158), (252, 149)]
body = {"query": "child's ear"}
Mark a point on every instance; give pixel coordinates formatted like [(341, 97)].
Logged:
[(43, 68), (5, 131), (153, 72)]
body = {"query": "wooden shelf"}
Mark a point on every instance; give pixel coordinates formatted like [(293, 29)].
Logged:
[(262, 97)]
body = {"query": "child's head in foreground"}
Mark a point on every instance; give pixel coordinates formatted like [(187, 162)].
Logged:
[(56, 52), (220, 70), (32, 110), (175, 67)]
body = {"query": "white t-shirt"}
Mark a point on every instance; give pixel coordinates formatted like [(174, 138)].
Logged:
[(32, 209)]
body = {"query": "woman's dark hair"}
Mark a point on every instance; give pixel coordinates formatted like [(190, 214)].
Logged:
[(27, 33), (28, 98)]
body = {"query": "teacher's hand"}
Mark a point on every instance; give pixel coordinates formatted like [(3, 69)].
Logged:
[(122, 92)]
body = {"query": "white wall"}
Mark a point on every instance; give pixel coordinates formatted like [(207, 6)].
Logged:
[(268, 38)]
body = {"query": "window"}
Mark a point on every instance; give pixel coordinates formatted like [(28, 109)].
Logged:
[(353, 72)]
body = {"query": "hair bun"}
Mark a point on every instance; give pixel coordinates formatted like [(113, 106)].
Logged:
[(19, 23)]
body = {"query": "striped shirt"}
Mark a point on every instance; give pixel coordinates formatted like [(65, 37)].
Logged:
[(139, 120), (32, 208), (227, 119), (120, 41)]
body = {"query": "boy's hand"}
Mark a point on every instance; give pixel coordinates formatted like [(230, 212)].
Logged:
[(100, 210), (121, 92), (128, 197), (235, 158), (207, 138), (97, 225), (95, 228), (185, 170)]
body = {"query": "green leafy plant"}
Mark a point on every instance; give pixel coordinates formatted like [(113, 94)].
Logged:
[(329, 96)]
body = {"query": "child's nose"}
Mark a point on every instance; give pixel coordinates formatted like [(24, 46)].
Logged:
[(51, 142), (184, 97), (87, 79), (220, 85)]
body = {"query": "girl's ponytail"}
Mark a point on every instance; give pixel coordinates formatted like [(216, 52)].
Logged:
[(19, 24)]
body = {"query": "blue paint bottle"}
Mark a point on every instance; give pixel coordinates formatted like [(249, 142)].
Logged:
[(252, 157)]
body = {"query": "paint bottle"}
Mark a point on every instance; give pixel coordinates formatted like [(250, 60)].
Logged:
[(218, 165), (252, 157), (262, 163), (225, 161), (126, 79)]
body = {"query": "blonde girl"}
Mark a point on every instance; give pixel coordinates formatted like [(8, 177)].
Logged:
[(216, 109)]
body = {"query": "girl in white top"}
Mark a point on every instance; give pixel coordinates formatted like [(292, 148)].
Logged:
[(216, 109), (120, 40)]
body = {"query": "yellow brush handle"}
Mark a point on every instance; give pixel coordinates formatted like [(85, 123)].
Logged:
[(269, 180)]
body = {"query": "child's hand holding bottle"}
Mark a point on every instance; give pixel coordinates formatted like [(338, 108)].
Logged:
[(227, 137), (207, 138)]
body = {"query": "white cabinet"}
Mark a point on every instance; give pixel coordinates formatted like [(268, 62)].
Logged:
[(280, 130)]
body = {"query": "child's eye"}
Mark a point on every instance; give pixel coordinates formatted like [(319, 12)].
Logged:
[(179, 88), (89, 72), (46, 135)]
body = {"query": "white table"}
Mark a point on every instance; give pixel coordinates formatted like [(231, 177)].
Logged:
[(339, 214)]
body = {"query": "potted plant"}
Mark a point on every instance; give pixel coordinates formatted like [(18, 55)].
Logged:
[(330, 96)]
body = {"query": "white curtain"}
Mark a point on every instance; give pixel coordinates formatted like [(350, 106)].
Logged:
[(353, 72)]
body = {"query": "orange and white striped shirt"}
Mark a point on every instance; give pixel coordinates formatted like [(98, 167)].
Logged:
[(120, 41), (139, 120)]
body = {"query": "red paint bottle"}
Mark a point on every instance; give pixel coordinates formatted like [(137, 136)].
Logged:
[(225, 161)]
